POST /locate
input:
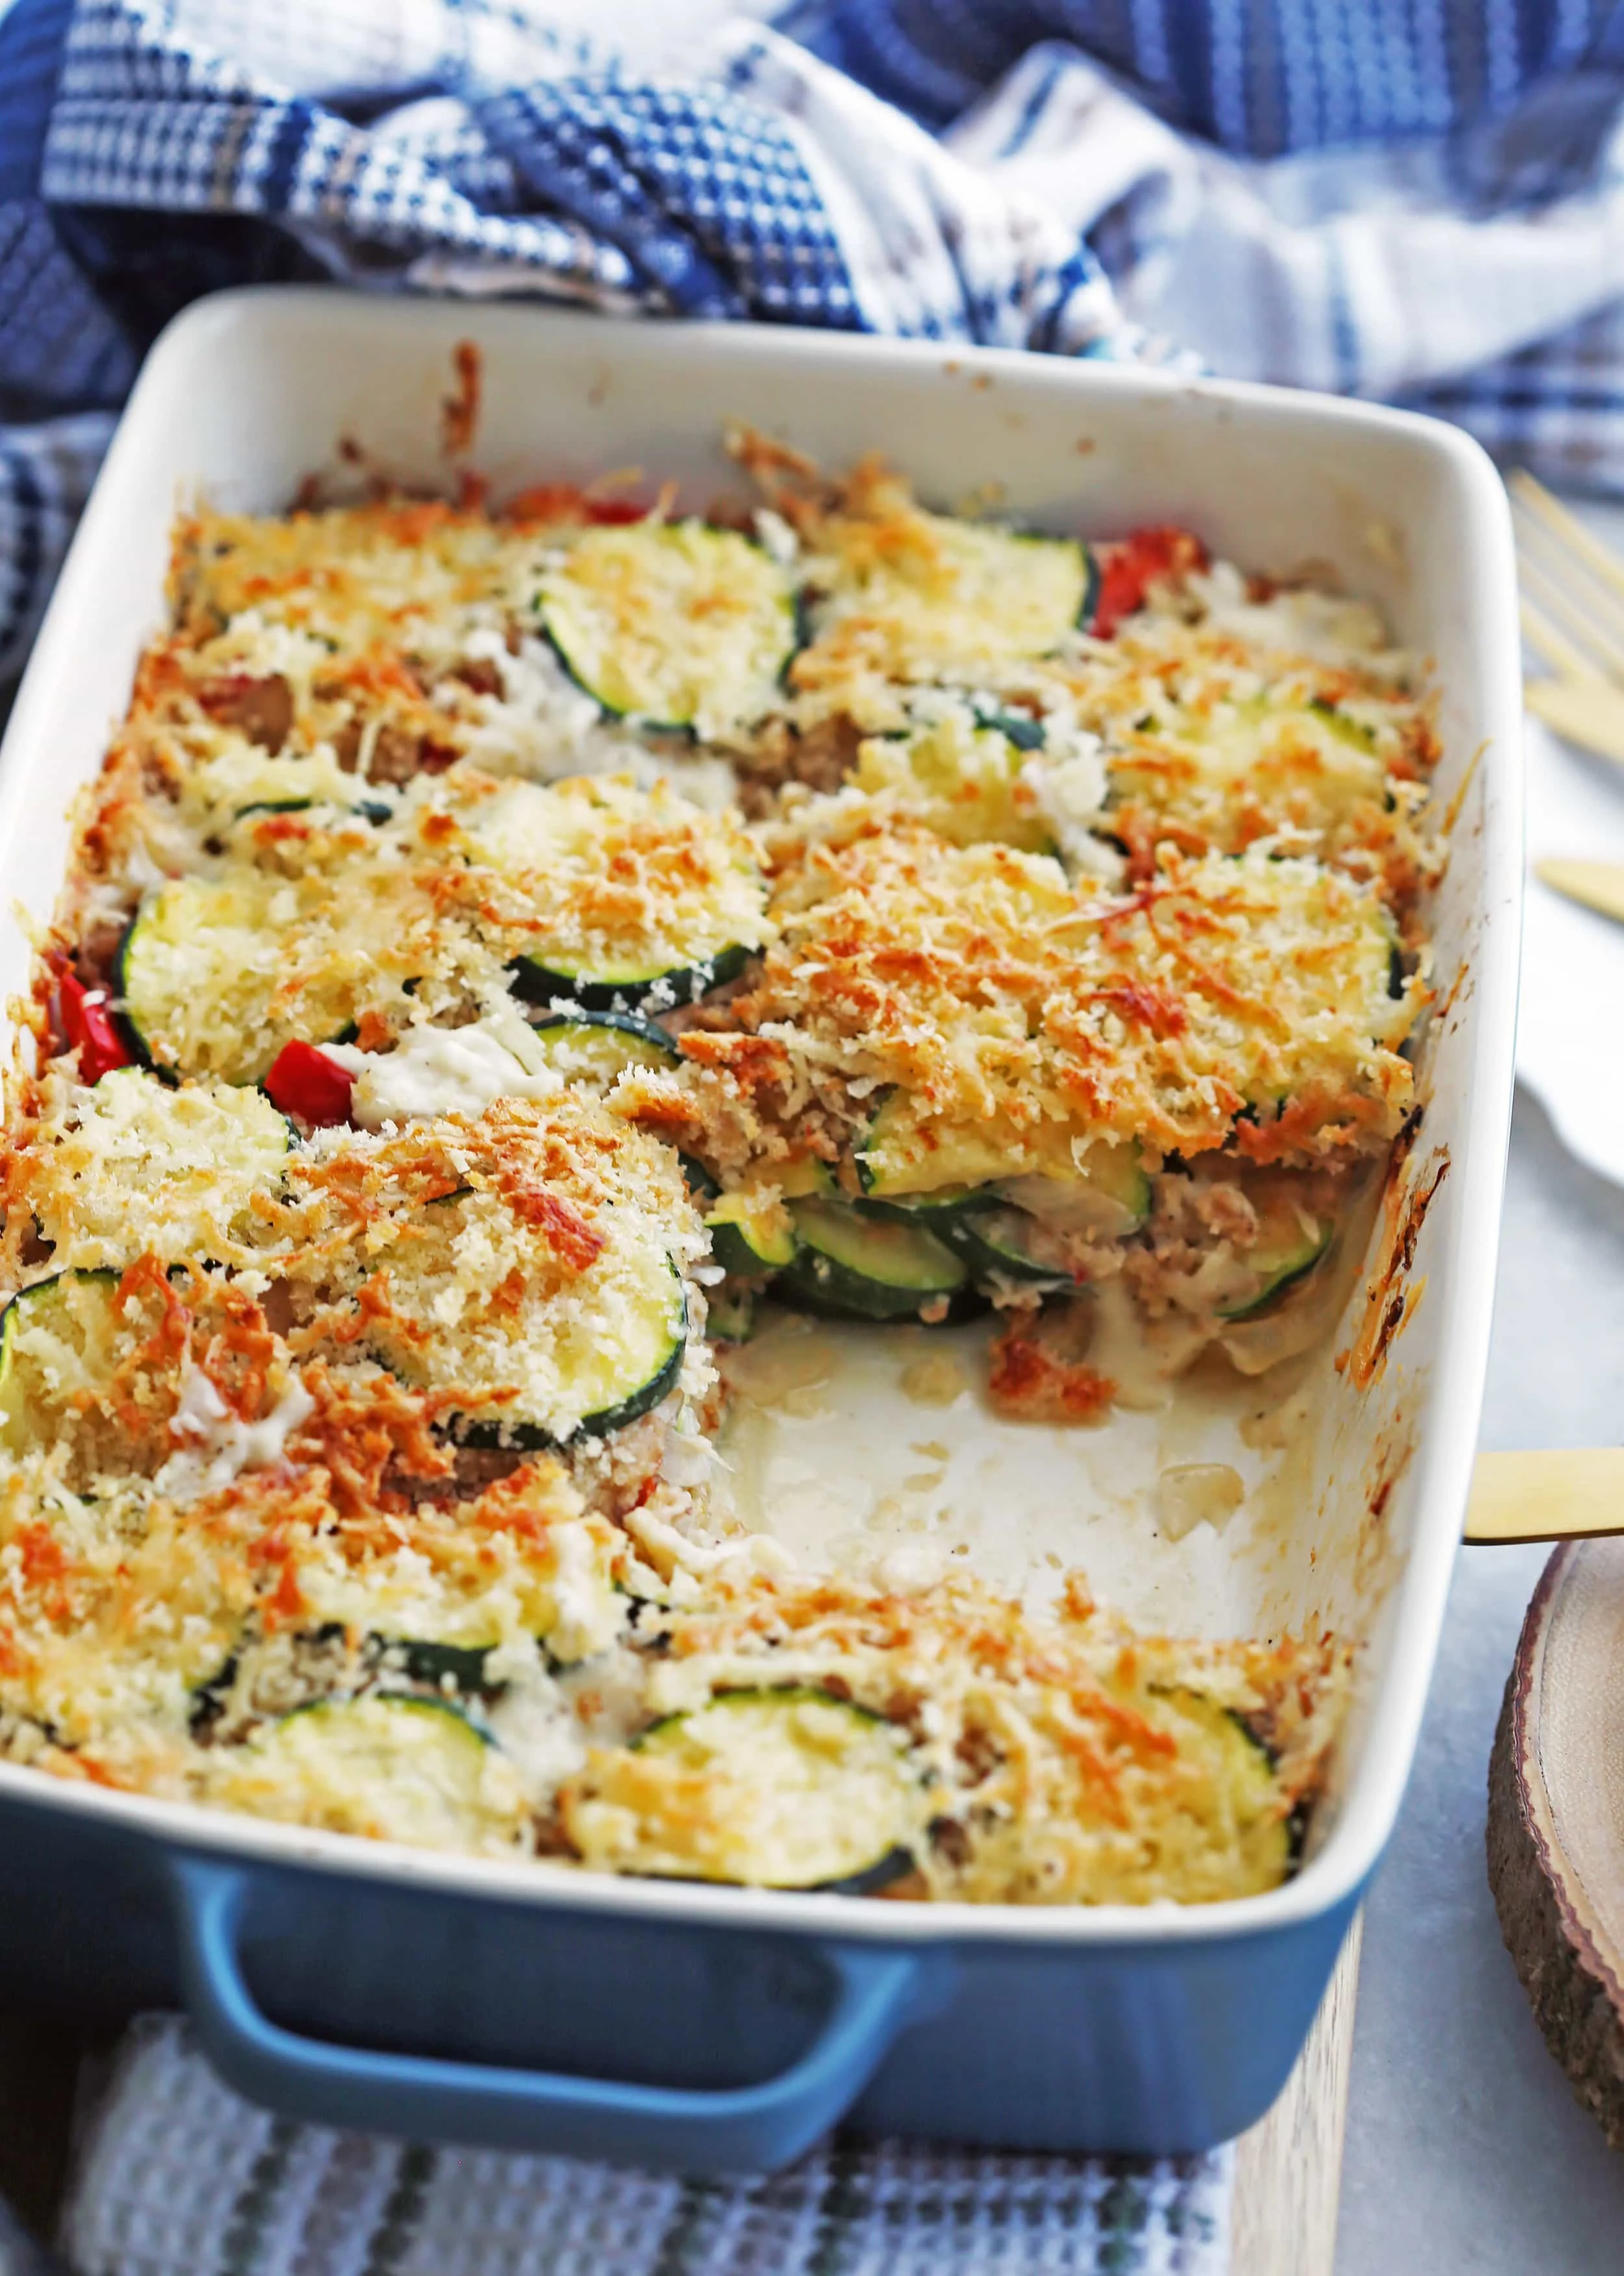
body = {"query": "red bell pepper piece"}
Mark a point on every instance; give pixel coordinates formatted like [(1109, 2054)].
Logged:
[(1129, 569), (609, 513), (303, 1081), (90, 1028)]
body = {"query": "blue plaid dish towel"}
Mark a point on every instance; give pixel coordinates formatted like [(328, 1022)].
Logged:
[(1417, 200)]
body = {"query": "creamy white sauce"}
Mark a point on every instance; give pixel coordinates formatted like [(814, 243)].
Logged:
[(776, 538), (1069, 792), (578, 1593), (543, 726), (215, 1446), (669, 1549), (439, 1071), (1325, 625), (534, 1724)]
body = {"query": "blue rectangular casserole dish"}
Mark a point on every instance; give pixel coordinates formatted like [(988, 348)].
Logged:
[(702, 2028)]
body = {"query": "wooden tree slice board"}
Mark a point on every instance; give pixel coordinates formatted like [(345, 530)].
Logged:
[(1556, 1819)]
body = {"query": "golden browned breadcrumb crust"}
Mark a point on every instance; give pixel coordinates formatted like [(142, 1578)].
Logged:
[(297, 1420)]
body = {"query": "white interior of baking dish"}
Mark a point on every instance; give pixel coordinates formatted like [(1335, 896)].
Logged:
[(844, 1444)]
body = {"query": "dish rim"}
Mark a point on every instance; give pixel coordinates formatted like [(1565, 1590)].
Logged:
[(1368, 1807)]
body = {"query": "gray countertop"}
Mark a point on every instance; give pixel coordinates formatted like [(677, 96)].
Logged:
[(1467, 2155)]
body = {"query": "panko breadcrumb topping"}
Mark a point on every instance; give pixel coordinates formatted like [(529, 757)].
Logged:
[(466, 897)]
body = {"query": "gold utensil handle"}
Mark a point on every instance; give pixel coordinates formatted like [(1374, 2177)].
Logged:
[(1598, 885), (1564, 1495), (1588, 712)]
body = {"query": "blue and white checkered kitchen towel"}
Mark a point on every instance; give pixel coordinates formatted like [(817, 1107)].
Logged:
[(1421, 200), (179, 2177)]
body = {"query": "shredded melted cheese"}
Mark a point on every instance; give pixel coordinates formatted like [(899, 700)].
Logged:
[(321, 1492)]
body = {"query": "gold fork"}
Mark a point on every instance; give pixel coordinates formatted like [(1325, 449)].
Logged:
[(1573, 618)]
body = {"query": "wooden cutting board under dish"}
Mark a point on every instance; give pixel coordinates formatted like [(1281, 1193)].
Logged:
[(1288, 2169)]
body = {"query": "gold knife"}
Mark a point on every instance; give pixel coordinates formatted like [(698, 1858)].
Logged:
[(1597, 885), (1565, 1495)]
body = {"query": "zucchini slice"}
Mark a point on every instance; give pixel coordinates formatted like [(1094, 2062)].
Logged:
[(935, 1211), (198, 968), (965, 599), (1005, 1242), (752, 1232), (597, 1048), (535, 1294), (435, 1610), (851, 1262), (776, 1789), (1245, 1793), (962, 777), (1291, 1241), (1216, 768), (623, 985), (673, 626), (183, 1164), (730, 1313), (906, 1157), (616, 898), (439, 1666), (1105, 1193), (395, 1766), (56, 1344), (244, 779), (613, 1371)]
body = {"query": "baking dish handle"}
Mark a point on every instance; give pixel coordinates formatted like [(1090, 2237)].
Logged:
[(677, 2129)]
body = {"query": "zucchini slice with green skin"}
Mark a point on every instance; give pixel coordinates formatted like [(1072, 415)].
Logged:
[(935, 1211), (853, 1263), (55, 1337), (189, 1159), (1004, 1242), (1266, 1837), (398, 1766), (906, 1159), (752, 1232), (689, 926), (616, 1381), (1292, 1243), (1107, 1194), (978, 596), (627, 988), (674, 625), (730, 1313), (196, 974), (700, 1184), (961, 777), (440, 1666), (597, 1048), (776, 1789)]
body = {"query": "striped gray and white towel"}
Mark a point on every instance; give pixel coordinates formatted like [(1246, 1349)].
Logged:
[(180, 2177)]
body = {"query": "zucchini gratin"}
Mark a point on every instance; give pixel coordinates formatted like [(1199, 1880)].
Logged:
[(505, 949)]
